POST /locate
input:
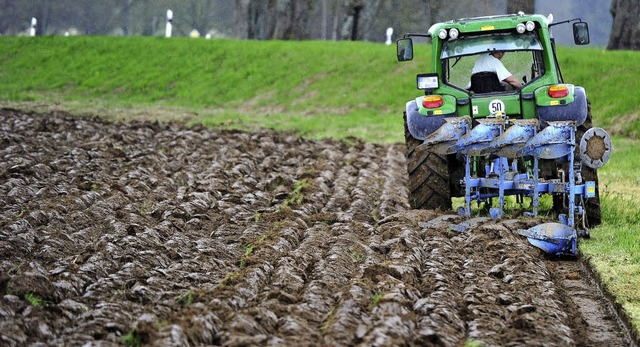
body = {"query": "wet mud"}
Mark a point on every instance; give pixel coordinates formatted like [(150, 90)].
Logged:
[(162, 235)]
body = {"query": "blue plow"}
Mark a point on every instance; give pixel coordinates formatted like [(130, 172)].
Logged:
[(505, 142)]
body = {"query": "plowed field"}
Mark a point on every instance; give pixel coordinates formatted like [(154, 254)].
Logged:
[(164, 235)]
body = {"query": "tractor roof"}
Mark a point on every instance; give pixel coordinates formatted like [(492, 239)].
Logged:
[(490, 23)]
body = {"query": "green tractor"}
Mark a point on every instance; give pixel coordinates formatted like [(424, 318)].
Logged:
[(495, 83)]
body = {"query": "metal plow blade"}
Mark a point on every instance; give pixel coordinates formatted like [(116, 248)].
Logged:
[(554, 141), (444, 138), (513, 139), (479, 138), (554, 238), (469, 224)]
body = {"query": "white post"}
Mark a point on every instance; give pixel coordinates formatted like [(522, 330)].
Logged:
[(389, 34), (32, 29), (169, 23)]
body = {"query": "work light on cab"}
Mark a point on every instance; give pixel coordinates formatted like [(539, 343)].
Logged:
[(432, 101), (558, 91), (442, 34), (453, 33), (530, 25)]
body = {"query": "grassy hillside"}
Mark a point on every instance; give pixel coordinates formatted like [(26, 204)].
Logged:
[(319, 89), (611, 79), (223, 79), (279, 84)]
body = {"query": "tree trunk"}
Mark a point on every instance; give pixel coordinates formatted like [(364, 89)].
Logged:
[(291, 20), (200, 15), (358, 18), (526, 6), (625, 31), (126, 10), (367, 18), (43, 21), (280, 19), (350, 8), (324, 16), (241, 19), (283, 27)]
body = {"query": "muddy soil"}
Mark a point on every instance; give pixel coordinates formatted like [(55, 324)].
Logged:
[(154, 233)]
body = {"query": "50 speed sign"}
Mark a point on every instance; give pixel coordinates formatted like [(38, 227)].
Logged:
[(497, 106)]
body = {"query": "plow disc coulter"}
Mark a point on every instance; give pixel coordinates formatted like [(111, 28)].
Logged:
[(508, 145)]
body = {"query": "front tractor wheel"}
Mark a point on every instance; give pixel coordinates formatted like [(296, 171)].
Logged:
[(429, 185)]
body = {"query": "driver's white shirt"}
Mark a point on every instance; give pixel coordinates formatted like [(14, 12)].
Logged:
[(489, 63)]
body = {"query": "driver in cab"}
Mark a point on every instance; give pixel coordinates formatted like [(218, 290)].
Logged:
[(490, 75)]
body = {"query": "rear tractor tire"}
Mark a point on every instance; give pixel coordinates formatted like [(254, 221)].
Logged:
[(591, 205), (428, 173)]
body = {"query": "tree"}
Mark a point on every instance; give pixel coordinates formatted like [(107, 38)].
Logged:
[(359, 16), (292, 20), (199, 14), (45, 12), (126, 10), (526, 6), (96, 17), (252, 19), (625, 32), (11, 21), (279, 19)]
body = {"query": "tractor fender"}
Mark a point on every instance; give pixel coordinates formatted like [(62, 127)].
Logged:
[(572, 111), (421, 126)]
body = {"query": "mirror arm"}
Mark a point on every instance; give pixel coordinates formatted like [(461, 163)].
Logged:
[(565, 21), (415, 35)]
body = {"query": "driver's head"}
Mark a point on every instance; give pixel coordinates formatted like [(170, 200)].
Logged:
[(498, 54)]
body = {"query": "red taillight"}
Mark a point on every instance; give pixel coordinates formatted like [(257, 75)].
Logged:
[(432, 101), (558, 91)]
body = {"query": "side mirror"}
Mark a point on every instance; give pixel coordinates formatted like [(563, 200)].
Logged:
[(581, 33), (404, 49)]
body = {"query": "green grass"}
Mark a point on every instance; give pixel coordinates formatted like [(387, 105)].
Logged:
[(34, 300), (132, 338), (359, 123), (319, 90), (248, 250), (296, 197), (185, 299), (611, 81), (244, 81), (375, 299)]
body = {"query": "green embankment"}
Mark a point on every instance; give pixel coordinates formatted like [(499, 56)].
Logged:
[(318, 89), (279, 84)]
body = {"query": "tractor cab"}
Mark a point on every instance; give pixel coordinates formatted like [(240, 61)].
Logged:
[(526, 52), (493, 68), (465, 68)]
